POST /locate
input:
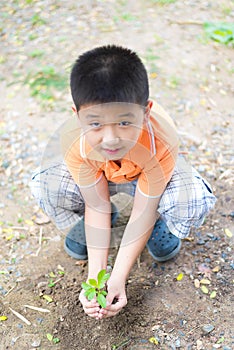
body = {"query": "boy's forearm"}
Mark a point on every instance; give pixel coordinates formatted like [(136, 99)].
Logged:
[(98, 233), (135, 237)]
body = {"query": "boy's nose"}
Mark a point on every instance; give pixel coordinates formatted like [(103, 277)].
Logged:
[(110, 136)]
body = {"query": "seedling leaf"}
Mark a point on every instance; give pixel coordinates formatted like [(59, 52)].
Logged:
[(91, 294), (103, 292), (49, 336), (102, 278), (88, 291), (56, 340), (85, 286), (92, 282), (101, 300), (96, 288)]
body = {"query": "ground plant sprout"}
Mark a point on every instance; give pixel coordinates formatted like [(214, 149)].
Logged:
[(97, 288)]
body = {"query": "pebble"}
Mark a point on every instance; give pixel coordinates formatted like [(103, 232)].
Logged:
[(201, 242), (40, 320), (224, 255), (207, 328), (177, 343), (36, 343)]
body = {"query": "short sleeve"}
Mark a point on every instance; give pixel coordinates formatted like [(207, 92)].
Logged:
[(157, 173)]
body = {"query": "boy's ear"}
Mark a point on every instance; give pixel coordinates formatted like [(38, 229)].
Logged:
[(147, 110), (74, 109), (149, 106)]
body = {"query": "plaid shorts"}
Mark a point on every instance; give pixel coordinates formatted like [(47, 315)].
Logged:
[(184, 204)]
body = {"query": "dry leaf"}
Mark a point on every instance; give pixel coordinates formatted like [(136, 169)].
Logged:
[(213, 294), (180, 276), (48, 298), (41, 219), (204, 289), (216, 269), (228, 233), (197, 283), (153, 340), (3, 318), (205, 281), (205, 270), (29, 222)]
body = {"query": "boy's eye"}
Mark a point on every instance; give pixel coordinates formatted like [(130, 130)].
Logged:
[(95, 125), (124, 123)]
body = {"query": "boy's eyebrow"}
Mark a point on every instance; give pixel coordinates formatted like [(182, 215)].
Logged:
[(127, 114), (91, 116)]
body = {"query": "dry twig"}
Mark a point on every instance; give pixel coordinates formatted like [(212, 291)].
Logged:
[(21, 317)]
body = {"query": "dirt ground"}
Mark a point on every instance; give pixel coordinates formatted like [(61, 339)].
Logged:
[(192, 77)]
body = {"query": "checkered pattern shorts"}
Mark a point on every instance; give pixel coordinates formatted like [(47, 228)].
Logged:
[(184, 204)]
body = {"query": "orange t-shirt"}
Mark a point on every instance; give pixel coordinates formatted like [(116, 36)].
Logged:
[(151, 160)]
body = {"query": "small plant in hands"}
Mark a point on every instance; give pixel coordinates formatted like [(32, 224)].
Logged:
[(97, 288)]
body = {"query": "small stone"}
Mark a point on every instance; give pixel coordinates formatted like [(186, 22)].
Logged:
[(40, 320), (36, 343), (201, 242), (208, 328), (199, 344), (177, 343)]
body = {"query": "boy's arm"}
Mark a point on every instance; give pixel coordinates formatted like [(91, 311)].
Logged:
[(98, 233), (97, 225), (137, 232)]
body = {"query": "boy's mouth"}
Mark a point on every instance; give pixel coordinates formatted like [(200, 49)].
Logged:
[(111, 151)]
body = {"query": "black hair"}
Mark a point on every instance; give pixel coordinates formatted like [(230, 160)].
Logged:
[(109, 74)]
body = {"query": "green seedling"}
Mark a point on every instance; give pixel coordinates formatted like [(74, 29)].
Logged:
[(97, 288), (52, 339)]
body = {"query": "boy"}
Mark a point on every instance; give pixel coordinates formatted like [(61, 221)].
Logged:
[(121, 142)]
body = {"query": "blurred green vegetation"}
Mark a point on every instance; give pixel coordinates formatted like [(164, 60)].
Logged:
[(220, 32), (45, 82)]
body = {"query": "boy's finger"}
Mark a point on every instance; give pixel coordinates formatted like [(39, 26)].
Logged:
[(89, 305)]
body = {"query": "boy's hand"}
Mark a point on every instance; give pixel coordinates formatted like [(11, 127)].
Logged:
[(116, 293), (91, 308)]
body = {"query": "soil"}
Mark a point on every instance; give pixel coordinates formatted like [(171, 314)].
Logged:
[(191, 76)]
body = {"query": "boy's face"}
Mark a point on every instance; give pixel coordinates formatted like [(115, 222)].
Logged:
[(112, 129)]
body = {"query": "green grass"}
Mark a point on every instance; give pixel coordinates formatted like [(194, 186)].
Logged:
[(150, 60), (44, 82), (37, 20), (36, 53), (220, 32)]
